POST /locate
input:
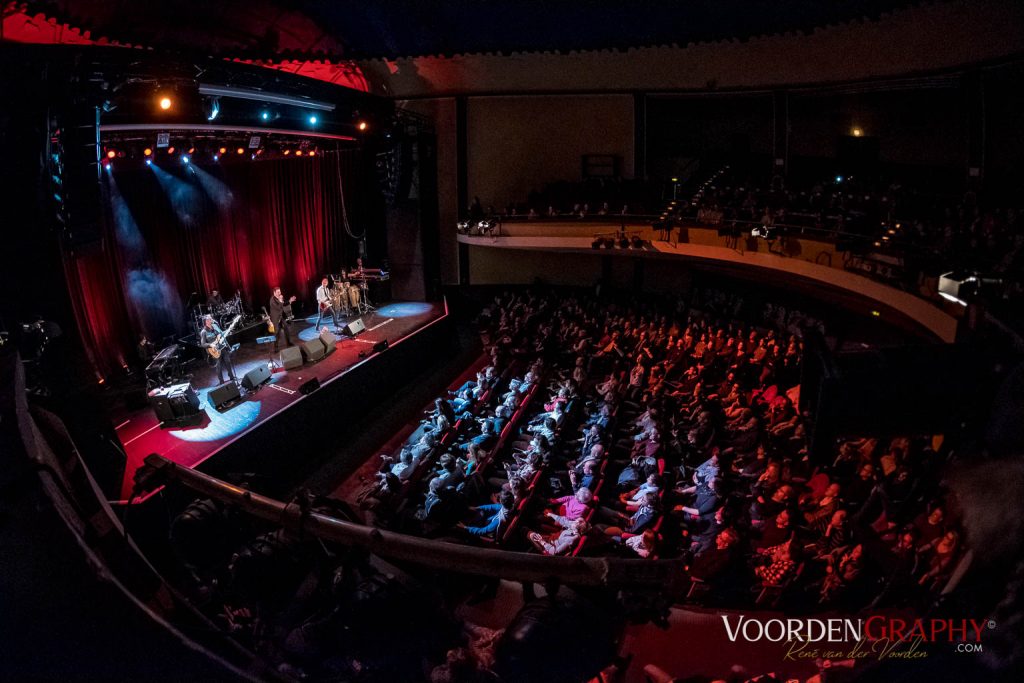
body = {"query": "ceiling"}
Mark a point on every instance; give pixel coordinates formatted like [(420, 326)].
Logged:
[(402, 28)]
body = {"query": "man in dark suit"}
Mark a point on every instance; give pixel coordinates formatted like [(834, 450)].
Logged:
[(278, 317)]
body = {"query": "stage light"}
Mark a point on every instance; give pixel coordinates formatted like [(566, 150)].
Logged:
[(312, 152), (165, 103), (298, 152), (222, 150), (839, 178), (877, 314), (362, 125), (857, 132), (259, 151), (675, 180), (170, 150), (239, 150), (148, 152), (313, 120), (149, 162), (287, 152), (106, 166), (216, 157), (213, 108), (184, 158), (265, 115), (191, 150), (111, 154)]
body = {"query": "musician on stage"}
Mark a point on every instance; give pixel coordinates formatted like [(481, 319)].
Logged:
[(214, 301), (279, 316), (324, 304), (208, 336)]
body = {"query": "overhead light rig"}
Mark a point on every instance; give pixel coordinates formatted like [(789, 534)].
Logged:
[(126, 147)]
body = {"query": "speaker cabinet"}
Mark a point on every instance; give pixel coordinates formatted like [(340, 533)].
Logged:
[(224, 394), (309, 387), (355, 327), (161, 407), (329, 340), (291, 358), (380, 346), (313, 350), (171, 403), (255, 377)]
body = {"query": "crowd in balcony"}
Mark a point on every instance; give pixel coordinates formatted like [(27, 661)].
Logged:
[(939, 232)]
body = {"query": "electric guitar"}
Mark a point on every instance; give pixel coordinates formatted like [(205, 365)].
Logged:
[(221, 342), (270, 323)]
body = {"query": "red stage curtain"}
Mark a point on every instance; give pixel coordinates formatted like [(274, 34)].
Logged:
[(96, 297), (245, 226)]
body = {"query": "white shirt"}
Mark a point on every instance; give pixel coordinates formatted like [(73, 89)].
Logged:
[(323, 295)]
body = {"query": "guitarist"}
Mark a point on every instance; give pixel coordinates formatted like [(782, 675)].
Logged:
[(211, 335), (280, 311), (323, 300)]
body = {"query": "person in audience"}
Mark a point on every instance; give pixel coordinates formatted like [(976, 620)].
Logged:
[(644, 517), (572, 532), (490, 517), (642, 544), (940, 561), (571, 507), (706, 501), (842, 574), (424, 446), (587, 480), (778, 563)]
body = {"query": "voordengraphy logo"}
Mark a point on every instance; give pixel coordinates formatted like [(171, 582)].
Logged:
[(877, 636)]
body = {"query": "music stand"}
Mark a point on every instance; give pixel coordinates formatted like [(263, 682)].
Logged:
[(267, 341)]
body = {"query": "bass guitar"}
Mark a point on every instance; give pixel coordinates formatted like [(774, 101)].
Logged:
[(221, 342)]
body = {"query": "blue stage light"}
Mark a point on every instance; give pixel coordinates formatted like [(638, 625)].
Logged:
[(184, 158), (313, 120), (265, 115), (149, 162)]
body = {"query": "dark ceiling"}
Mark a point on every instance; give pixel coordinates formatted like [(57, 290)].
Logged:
[(400, 28)]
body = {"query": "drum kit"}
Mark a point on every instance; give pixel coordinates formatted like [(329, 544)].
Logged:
[(222, 313)]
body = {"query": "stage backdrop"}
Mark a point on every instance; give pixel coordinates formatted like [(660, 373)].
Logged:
[(176, 231)]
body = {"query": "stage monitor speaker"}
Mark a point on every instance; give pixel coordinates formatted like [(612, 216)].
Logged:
[(223, 394), (255, 377), (329, 340), (309, 387), (380, 346), (355, 327), (184, 400), (162, 407), (313, 349), (291, 358)]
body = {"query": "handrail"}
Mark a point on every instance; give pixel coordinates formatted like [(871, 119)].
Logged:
[(664, 575)]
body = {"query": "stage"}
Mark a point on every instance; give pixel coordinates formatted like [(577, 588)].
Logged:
[(352, 375)]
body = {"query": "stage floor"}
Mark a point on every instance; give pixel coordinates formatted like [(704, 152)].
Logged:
[(140, 431)]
